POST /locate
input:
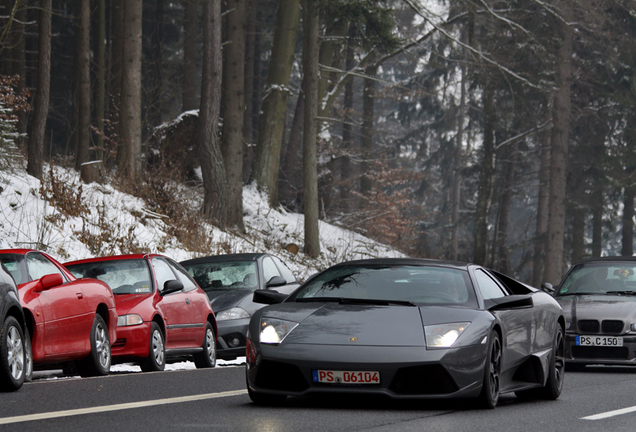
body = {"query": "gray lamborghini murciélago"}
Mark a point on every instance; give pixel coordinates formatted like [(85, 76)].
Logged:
[(406, 328)]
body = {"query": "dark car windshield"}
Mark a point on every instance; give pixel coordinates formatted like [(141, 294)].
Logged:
[(407, 284), (129, 276), (600, 278), (223, 275)]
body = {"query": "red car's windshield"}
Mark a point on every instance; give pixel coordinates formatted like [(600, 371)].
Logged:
[(129, 276)]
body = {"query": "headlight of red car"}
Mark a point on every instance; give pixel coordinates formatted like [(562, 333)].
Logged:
[(129, 320)]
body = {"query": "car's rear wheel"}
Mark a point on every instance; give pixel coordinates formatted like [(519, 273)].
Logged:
[(28, 357), (11, 355), (156, 360), (207, 359), (98, 361), (554, 383), (489, 395)]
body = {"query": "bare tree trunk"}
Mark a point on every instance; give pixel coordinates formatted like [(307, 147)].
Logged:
[(347, 133), (560, 140), (503, 217), (366, 140), (486, 179), (597, 220), (291, 178), (457, 169), (83, 54), (542, 211), (130, 113), (117, 52), (233, 110), (191, 30), (155, 107), (274, 105), (42, 92), (100, 102), (18, 62), (212, 166), (627, 248), (311, 25)]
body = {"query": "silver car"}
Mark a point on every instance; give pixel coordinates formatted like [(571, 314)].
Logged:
[(598, 297)]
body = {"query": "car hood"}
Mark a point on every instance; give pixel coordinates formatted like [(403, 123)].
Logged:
[(225, 299), (369, 325), (126, 303), (600, 307)]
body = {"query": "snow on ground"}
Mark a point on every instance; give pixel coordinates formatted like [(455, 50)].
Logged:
[(29, 221)]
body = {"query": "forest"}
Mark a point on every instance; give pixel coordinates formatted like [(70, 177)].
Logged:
[(500, 132)]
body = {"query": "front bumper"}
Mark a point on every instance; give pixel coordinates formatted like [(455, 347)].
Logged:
[(133, 342), (405, 372), (610, 355), (231, 339)]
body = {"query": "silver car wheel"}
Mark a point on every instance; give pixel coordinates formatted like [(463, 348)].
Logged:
[(15, 353), (157, 347), (210, 344), (102, 346)]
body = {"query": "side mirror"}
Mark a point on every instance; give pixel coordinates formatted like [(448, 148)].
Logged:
[(51, 281), (548, 288), (171, 286), (509, 302), (268, 297), (276, 281)]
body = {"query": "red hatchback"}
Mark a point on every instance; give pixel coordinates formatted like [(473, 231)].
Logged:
[(163, 314), (68, 320)]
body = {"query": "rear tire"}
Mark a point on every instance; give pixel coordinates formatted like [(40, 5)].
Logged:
[(489, 395), (98, 361), (156, 360), (207, 359), (12, 355)]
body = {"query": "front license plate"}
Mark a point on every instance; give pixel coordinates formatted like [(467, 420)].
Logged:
[(346, 377), (608, 341)]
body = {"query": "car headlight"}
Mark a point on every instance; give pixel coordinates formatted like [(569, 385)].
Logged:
[(129, 320), (232, 314), (274, 330), (444, 335)]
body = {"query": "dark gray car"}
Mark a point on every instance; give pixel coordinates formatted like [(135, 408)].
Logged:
[(14, 360), (598, 296), (230, 281), (407, 328)]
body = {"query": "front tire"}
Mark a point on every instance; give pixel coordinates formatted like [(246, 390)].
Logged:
[(98, 361), (28, 357), (156, 360), (207, 359), (11, 355), (489, 395)]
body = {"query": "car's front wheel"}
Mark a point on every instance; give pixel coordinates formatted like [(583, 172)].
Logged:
[(156, 360), (489, 395), (207, 359), (11, 355), (98, 361)]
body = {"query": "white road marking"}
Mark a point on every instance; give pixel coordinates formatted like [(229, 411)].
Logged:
[(610, 414), (117, 407)]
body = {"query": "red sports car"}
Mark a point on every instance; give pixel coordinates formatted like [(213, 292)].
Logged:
[(163, 313), (68, 320)]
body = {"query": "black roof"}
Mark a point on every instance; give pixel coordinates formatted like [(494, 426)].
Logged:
[(407, 261), (607, 259), (224, 258)]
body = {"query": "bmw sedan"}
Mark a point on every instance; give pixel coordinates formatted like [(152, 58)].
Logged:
[(407, 328), (598, 296), (69, 321), (163, 314), (230, 281)]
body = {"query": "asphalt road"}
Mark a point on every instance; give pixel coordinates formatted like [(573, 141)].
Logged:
[(216, 400)]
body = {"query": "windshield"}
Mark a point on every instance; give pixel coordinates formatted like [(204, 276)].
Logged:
[(130, 276), (223, 275), (15, 264), (600, 278), (413, 284)]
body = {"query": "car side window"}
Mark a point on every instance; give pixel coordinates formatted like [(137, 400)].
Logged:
[(38, 265), (184, 276), (488, 287), (286, 272), (269, 269), (163, 273)]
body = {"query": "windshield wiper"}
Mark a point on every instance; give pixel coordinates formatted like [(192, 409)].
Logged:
[(622, 292)]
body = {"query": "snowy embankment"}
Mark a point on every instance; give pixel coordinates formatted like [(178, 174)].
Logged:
[(109, 220)]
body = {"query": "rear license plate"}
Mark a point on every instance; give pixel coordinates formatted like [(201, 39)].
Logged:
[(608, 341), (346, 377)]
